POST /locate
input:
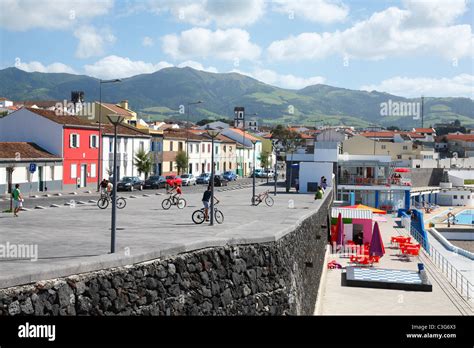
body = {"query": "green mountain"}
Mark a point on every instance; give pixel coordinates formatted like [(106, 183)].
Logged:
[(165, 94)]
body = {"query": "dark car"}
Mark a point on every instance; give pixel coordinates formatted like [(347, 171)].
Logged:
[(203, 178), (230, 176), (155, 182), (220, 181), (130, 183)]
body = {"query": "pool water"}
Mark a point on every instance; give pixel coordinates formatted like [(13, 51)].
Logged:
[(466, 217)]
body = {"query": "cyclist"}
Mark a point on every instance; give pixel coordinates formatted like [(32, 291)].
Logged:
[(103, 185), (177, 192), (206, 198)]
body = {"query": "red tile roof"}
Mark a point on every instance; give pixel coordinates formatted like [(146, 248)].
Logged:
[(424, 130), (65, 120), (463, 137), (386, 134), (124, 130), (247, 135), (24, 151)]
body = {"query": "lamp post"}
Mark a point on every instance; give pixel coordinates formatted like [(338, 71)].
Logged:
[(243, 141), (274, 143), (213, 134), (99, 165), (115, 120), (254, 142), (187, 129)]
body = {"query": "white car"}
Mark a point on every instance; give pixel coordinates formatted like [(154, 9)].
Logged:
[(188, 179)]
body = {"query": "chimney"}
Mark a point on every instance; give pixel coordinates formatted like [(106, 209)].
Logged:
[(124, 104)]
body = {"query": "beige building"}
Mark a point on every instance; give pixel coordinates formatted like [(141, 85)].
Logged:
[(360, 145)]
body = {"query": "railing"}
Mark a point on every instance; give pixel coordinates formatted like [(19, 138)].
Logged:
[(359, 180), (456, 278)]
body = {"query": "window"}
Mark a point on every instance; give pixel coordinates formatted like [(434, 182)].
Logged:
[(197, 148), (384, 147), (171, 146), (111, 145), (171, 166), (405, 147), (74, 140), (197, 165), (225, 148), (93, 141), (208, 167), (125, 145), (455, 197), (180, 146), (230, 148), (141, 146), (462, 196), (208, 147), (230, 165), (203, 148), (217, 165), (93, 170), (73, 171), (190, 147), (399, 156), (216, 149)]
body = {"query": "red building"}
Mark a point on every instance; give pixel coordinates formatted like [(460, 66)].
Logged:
[(72, 138)]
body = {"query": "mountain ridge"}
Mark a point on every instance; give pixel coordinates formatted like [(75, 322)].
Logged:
[(163, 93)]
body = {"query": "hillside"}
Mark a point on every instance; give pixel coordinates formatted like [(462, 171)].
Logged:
[(160, 94)]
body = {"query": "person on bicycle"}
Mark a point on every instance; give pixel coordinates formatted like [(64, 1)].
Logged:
[(206, 198), (103, 185), (177, 192)]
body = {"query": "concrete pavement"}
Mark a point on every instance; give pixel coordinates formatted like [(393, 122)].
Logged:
[(75, 240)]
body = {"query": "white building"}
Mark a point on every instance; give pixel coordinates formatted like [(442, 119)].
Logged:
[(130, 140)]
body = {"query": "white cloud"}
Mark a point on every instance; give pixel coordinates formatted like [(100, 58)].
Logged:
[(196, 65), (147, 41), (92, 42), (320, 11), (285, 81), (39, 67), (386, 33), (229, 44), (206, 12), (435, 12), (457, 86), (21, 15), (120, 67)]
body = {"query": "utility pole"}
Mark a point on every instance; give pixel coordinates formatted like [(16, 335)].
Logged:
[(422, 110)]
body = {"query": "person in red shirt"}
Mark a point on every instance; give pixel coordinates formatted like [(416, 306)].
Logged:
[(177, 192)]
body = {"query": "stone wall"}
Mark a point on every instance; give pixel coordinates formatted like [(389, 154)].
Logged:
[(274, 278)]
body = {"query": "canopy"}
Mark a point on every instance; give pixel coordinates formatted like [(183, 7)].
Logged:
[(365, 207), (402, 170)]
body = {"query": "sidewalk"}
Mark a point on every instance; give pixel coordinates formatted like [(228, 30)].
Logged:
[(341, 300)]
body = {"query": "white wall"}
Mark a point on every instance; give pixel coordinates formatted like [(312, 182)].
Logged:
[(312, 172), (40, 130)]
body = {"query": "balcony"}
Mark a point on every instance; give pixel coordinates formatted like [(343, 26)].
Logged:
[(361, 181)]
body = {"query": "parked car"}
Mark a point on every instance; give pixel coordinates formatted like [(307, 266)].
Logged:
[(203, 178), (188, 179), (155, 182), (220, 181), (172, 179), (258, 173), (130, 183), (230, 176), (268, 173)]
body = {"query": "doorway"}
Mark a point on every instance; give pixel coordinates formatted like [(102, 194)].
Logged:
[(83, 175), (40, 179), (358, 234)]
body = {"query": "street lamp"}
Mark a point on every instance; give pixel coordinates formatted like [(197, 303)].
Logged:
[(115, 119), (213, 133), (243, 141), (187, 129), (99, 165), (274, 143), (254, 142)]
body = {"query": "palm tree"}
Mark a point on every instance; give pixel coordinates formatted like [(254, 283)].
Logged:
[(143, 162)]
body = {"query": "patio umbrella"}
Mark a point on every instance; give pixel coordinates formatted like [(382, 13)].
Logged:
[(340, 230), (376, 247), (365, 207)]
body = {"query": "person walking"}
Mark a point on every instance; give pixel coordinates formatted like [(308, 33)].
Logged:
[(17, 200), (297, 185)]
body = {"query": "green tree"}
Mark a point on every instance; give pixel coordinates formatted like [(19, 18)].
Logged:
[(264, 159), (143, 162), (182, 161)]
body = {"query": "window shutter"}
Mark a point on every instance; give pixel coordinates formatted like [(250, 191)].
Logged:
[(70, 140), (90, 141), (77, 137)]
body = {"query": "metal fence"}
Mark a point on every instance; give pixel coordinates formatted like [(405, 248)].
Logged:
[(455, 277)]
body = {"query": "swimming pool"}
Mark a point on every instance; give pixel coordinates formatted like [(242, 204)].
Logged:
[(466, 217)]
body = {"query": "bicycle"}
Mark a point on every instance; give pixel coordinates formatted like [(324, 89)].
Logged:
[(106, 198), (198, 216), (172, 200), (263, 197)]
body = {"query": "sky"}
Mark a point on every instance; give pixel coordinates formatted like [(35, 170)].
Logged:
[(407, 47)]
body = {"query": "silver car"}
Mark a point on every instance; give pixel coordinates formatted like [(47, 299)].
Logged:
[(188, 179)]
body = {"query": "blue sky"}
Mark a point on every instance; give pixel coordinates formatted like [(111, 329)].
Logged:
[(407, 47)]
